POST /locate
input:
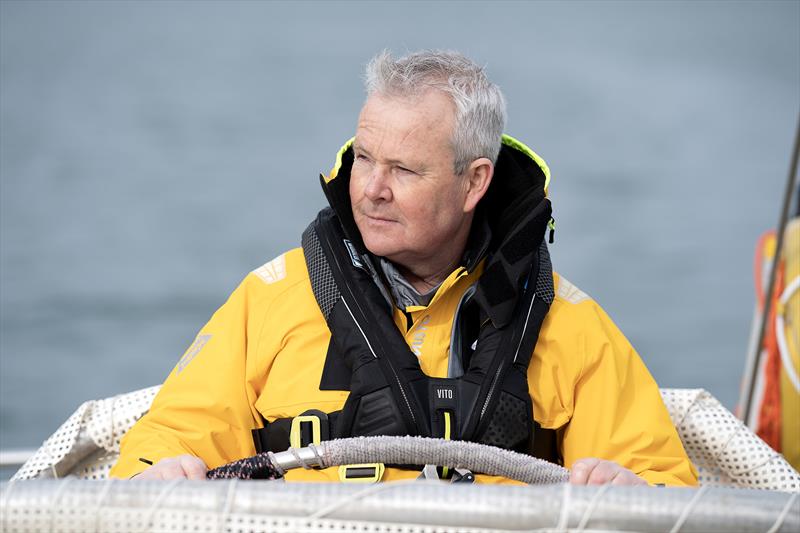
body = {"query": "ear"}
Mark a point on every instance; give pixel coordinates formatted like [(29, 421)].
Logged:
[(478, 177)]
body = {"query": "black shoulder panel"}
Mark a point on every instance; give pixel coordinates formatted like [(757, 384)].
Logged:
[(335, 374)]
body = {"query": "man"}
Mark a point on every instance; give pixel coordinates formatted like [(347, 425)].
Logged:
[(414, 308)]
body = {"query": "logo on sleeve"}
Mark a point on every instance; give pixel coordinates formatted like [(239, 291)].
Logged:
[(274, 271), (192, 352), (569, 292)]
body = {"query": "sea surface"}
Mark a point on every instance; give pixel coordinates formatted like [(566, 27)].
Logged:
[(153, 153)]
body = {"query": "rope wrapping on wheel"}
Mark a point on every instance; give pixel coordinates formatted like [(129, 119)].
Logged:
[(259, 466), (477, 458)]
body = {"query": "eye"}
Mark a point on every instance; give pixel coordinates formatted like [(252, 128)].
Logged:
[(405, 170), (362, 158)]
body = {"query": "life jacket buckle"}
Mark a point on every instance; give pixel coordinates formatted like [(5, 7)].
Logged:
[(307, 428), (361, 473), (462, 475)]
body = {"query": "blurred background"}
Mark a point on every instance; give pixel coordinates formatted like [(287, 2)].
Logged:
[(153, 153)]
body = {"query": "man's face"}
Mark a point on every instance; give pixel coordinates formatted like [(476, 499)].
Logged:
[(407, 202)]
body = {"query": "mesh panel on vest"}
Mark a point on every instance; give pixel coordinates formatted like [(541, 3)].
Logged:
[(322, 283), (508, 424), (544, 282)]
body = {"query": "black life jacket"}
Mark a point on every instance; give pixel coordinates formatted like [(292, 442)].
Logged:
[(389, 394)]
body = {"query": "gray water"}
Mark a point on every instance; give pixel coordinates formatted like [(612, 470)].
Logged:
[(151, 154)]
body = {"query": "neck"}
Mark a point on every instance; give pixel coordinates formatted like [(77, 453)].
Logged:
[(423, 282), (425, 275)]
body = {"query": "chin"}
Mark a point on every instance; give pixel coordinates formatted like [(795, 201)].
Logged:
[(379, 246), (380, 251)]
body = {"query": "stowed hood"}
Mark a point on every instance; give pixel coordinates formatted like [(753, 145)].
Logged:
[(515, 209)]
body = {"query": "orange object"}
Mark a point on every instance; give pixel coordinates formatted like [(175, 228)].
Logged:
[(769, 413)]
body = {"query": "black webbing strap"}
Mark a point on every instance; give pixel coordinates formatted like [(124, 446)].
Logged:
[(276, 436)]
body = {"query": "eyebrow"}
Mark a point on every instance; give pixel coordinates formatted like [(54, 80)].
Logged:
[(358, 147), (413, 166)]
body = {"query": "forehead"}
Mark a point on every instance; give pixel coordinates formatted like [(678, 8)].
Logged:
[(400, 124)]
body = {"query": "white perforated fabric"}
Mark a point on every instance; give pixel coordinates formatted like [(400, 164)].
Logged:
[(87, 444), (724, 450)]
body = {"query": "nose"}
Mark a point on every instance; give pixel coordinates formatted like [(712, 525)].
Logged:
[(378, 187)]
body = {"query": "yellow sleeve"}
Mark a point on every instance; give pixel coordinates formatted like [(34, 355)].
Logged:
[(617, 410), (205, 407), (588, 382)]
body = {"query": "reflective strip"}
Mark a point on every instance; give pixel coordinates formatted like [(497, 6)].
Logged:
[(199, 342), (524, 328)]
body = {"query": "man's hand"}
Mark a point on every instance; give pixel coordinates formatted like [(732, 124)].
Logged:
[(182, 466), (593, 471)]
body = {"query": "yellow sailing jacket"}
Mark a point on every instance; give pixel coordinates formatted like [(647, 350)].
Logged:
[(263, 351)]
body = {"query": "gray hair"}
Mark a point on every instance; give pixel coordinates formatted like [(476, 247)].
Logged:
[(480, 109)]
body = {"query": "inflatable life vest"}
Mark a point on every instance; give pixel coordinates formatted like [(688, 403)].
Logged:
[(389, 393)]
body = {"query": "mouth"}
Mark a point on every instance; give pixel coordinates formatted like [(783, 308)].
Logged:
[(377, 218)]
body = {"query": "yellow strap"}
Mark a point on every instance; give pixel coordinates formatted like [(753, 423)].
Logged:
[(446, 470)]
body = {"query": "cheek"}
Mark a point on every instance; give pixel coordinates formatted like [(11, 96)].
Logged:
[(354, 187), (359, 178), (444, 219), (444, 210), (430, 219)]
